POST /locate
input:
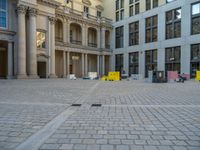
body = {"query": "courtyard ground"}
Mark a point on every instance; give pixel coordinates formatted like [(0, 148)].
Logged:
[(37, 114)]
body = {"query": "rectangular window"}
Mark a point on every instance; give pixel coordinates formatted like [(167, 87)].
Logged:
[(133, 63), (119, 13), (134, 33), (148, 4), (98, 14), (195, 18), (195, 59), (155, 3), (119, 33), (151, 29), (134, 7), (86, 11), (172, 59), (173, 23), (119, 62), (41, 39), (150, 61), (3, 13)]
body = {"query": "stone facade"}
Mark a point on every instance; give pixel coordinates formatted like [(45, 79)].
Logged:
[(54, 38)]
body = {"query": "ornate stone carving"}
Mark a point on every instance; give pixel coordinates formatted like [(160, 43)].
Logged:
[(21, 9), (52, 20), (87, 2), (99, 7), (32, 12)]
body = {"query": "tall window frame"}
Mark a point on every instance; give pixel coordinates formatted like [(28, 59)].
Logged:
[(119, 62), (134, 33), (194, 59), (133, 63), (195, 18), (41, 39), (151, 29), (173, 23), (173, 59), (3, 14), (119, 10), (151, 57), (150, 4), (134, 7), (119, 37)]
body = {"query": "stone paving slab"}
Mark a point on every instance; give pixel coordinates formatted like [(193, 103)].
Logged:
[(134, 115)]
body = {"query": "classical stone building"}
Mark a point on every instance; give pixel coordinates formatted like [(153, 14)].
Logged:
[(53, 38)]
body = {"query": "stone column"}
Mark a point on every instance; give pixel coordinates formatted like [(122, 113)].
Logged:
[(83, 64), (84, 35), (98, 65), (65, 31), (64, 65), (103, 33), (103, 64), (68, 63), (21, 55), (68, 31), (32, 52), (52, 47), (10, 60), (86, 64)]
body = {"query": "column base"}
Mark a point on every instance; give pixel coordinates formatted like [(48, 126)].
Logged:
[(52, 76), (33, 76), (9, 77), (21, 76)]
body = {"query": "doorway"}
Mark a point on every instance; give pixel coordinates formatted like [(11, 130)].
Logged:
[(41, 68), (3, 63)]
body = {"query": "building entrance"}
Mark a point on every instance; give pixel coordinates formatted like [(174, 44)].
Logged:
[(41, 68), (3, 63)]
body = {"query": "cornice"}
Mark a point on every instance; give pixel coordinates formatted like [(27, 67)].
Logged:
[(50, 3)]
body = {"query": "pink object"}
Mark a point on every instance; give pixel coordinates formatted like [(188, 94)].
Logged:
[(172, 75), (187, 76)]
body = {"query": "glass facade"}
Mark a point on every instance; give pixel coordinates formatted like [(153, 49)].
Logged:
[(133, 63), (134, 33), (119, 62), (151, 29), (119, 37), (195, 23), (150, 61), (195, 59)]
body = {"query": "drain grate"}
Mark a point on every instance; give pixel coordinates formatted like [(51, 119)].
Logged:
[(77, 105), (96, 105)]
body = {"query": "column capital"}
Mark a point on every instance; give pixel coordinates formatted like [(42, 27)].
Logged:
[(21, 9), (52, 20), (32, 12)]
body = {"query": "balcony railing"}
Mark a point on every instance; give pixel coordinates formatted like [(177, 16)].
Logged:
[(92, 44), (76, 42)]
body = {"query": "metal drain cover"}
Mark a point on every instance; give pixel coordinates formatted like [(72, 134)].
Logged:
[(96, 105), (77, 105)]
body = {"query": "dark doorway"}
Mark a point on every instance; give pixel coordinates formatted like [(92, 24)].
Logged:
[(3, 63), (41, 68)]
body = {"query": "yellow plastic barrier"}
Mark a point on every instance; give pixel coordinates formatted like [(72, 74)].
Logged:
[(104, 78), (114, 76), (198, 75)]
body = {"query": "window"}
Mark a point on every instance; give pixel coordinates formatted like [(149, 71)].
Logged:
[(150, 61), (3, 13), (150, 4), (173, 23), (195, 59), (196, 18), (98, 14), (119, 37), (133, 63), (119, 61), (151, 29), (119, 10), (134, 7), (41, 39), (134, 33), (86, 10), (172, 59)]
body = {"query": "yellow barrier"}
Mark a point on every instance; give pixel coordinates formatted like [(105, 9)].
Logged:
[(104, 78), (114, 76), (198, 75)]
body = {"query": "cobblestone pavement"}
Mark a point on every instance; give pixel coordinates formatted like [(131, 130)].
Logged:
[(133, 115)]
